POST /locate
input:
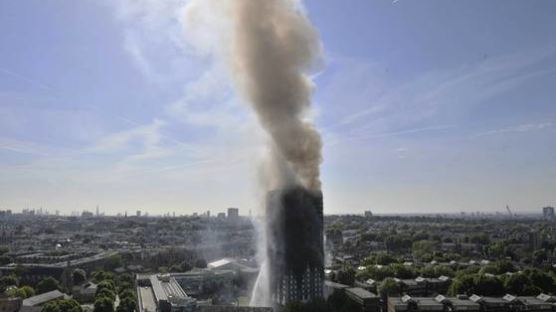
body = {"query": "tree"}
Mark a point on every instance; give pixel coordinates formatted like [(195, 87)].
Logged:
[(4, 259), (28, 291), (106, 293), (463, 284), (423, 248), (346, 276), (103, 304), (126, 278), (113, 262), (99, 276), (126, 305), (382, 258), (65, 305), (488, 285), (6, 281), (402, 271), (389, 287), (127, 293), (106, 284), (47, 284), (21, 292), (505, 266), (496, 250), (201, 263), (519, 285), (78, 276), (541, 280), (69, 305)]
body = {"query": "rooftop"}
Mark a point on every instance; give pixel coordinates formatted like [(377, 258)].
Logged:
[(43, 298), (361, 293)]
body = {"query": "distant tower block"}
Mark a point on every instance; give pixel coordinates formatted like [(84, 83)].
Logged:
[(548, 212), (138, 213), (233, 214), (295, 245)]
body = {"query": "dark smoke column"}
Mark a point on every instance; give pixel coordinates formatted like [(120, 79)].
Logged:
[(295, 244)]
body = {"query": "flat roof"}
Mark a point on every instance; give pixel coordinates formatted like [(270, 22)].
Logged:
[(146, 299), (361, 293), (219, 263), (43, 298), (164, 286), (334, 284)]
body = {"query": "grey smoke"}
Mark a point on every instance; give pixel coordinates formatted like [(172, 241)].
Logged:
[(274, 46)]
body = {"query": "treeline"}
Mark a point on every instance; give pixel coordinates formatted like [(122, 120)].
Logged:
[(109, 288), (494, 279), (175, 260)]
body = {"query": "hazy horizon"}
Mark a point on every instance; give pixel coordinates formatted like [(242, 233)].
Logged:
[(424, 107)]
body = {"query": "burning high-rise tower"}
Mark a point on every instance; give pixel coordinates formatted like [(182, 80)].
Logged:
[(271, 49), (295, 252)]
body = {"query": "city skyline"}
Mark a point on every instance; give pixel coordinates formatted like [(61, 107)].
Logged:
[(420, 110)]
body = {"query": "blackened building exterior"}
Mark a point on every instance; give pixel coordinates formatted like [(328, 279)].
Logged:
[(295, 245)]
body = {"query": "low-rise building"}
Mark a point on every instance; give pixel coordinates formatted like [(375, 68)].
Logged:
[(162, 293), (10, 304), (491, 304), (85, 292), (431, 304), (367, 301), (330, 287), (39, 300)]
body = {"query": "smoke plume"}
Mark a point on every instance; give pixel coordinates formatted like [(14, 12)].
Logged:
[(274, 46), (269, 47)]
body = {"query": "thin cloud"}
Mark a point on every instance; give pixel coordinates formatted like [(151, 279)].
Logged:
[(519, 128), (22, 147), (401, 132), (26, 79)]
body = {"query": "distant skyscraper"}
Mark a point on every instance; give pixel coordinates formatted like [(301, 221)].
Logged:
[(548, 212), (98, 214), (233, 214), (138, 213), (368, 213), (295, 245)]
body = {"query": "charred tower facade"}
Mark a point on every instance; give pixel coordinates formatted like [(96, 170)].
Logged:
[(295, 244)]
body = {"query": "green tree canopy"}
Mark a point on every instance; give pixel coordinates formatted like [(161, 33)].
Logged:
[(68, 305), (105, 292), (47, 284), (463, 284), (346, 276), (488, 285), (6, 281), (21, 292), (78, 276), (127, 304), (103, 304), (541, 280), (106, 284), (389, 287), (99, 276), (519, 285)]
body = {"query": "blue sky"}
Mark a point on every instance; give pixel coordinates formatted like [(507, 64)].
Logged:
[(424, 106)]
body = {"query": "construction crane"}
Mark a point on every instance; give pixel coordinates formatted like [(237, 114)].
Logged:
[(509, 211)]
